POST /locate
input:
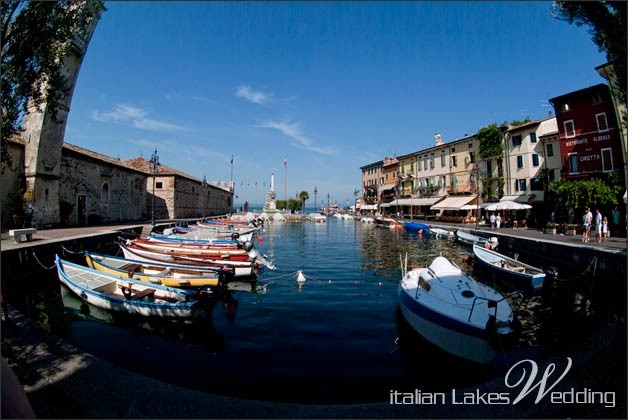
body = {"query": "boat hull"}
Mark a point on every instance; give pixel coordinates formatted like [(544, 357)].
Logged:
[(416, 226), (445, 334)]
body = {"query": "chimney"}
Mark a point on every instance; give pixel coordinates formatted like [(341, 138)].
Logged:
[(439, 141)]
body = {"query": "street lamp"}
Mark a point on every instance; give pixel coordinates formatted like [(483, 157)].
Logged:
[(154, 163)]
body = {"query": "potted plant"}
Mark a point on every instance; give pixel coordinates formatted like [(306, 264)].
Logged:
[(570, 229), (550, 228)]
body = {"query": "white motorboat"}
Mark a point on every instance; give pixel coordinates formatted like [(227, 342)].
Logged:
[(455, 312)]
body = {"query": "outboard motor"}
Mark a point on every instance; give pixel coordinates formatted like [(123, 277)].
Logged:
[(235, 235)]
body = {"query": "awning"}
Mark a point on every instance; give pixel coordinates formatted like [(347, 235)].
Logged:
[(368, 207), (416, 201), (381, 206), (453, 202), (387, 187), (515, 198)]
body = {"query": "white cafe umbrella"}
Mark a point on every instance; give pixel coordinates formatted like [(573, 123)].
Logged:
[(508, 205)]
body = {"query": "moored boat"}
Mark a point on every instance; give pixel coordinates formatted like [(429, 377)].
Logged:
[(455, 312), (416, 227), (471, 239), (127, 295), (242, 268), (159, 273), (517, 274), (441, 233), (388, 223), (189, 251)]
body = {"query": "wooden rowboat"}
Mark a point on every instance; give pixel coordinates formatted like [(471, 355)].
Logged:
[(127, 295), (517, 274), (242, 268), (159, 273)]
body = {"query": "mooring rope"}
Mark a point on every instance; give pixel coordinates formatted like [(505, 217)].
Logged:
[(282, 276), (43, 266), (70, 252)]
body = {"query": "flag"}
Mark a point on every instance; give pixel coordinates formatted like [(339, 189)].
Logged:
[(285, 162), (232, 159)]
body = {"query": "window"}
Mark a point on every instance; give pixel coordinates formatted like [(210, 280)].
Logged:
[(104, 193), (532, 137), (602, 124), (500, 168), (550, 174), (489, 169), (425, 162), (470, 145), (432, 161), (520, 185), (550, 150), (573, 162), (536, 184), (471, 157), (454, 161), (570, 129), (607, 159), (519, 162), (418, 164), (535, 159), (442, 158), (597, 99), (516, 140), (159, 185)]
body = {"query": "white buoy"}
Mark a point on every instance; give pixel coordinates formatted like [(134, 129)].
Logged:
[(300, 277)]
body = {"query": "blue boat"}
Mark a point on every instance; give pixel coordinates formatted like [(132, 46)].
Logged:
[(416, 226)]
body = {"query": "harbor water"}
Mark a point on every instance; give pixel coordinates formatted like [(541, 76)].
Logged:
[(337, 337)]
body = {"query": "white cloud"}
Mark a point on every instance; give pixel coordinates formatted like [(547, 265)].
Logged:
[(255, 96), (293, 130), (136, 117), (121, 113)]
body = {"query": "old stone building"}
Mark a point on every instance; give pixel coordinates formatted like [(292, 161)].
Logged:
[(179, 195), (97, 188)]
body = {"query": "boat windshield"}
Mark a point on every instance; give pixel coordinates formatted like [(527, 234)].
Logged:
[(424, 284)]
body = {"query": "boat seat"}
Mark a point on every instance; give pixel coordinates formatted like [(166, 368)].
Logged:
[(133, 295), (131, 268)]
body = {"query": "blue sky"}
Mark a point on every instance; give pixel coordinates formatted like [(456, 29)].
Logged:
[(328, 86)]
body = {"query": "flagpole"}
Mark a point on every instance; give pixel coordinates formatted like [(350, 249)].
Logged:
[(285, 180)]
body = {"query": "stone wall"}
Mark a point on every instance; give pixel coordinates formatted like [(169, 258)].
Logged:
[(111, 193), (10, 181), (177, 197)]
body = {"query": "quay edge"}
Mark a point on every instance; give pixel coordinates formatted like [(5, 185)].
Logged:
[(610, 261)]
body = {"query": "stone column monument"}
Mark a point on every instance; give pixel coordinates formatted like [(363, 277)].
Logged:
[(270, 205), (44, 135)]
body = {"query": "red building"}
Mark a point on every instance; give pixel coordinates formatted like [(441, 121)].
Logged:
[(589, 133)]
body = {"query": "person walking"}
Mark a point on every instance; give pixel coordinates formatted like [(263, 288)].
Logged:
[(586, 225), (498, 221), (615, 228), (492, 219), (598, 226), (605, 229)]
